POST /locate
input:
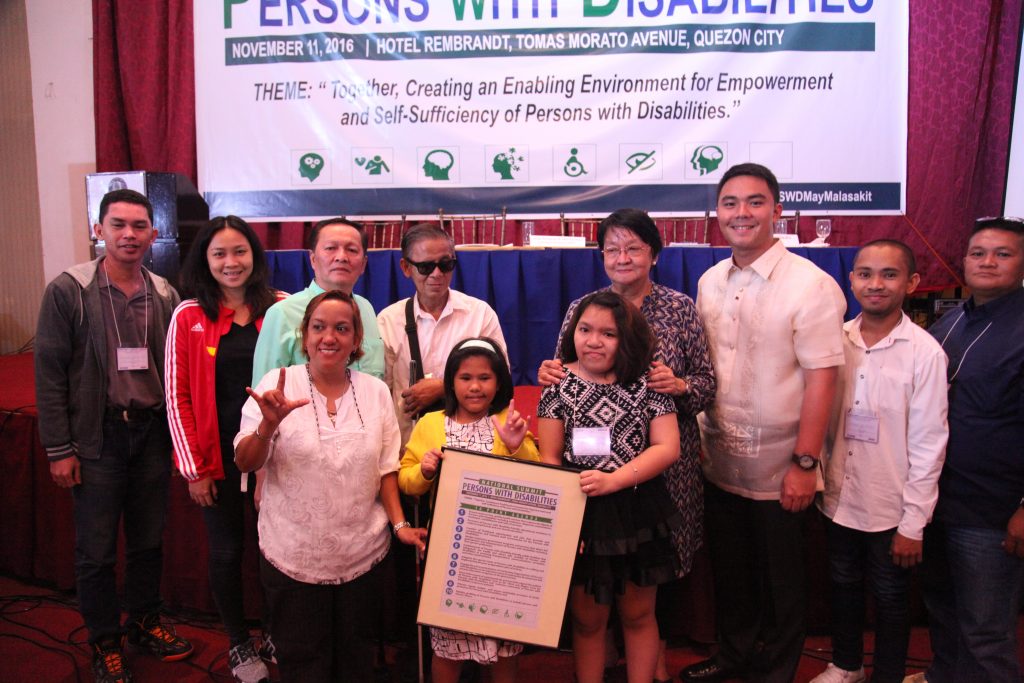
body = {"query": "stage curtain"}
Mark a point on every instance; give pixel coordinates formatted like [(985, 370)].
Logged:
[(962, 60), (144, 86)]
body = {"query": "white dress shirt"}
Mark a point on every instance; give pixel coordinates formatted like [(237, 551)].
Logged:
[(893, 483), (766, 323), (321, 519), (463, 316)]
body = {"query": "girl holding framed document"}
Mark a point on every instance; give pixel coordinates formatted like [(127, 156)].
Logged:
[(479, 414), (604, 418)]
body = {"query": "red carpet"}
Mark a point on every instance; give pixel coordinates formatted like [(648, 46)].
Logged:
[(42, 639)]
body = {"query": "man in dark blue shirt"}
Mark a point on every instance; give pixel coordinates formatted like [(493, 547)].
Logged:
[(974, 550)]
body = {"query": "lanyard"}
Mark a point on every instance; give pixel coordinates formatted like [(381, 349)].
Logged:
[(113, 314), (969, 346)]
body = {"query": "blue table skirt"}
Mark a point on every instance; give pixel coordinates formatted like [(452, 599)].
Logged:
[(531, 288)]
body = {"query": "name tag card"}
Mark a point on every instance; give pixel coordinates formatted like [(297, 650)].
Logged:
[(592, 441), (132, 358), (861, 427)]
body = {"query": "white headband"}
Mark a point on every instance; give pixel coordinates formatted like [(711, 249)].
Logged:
[(478, 343)]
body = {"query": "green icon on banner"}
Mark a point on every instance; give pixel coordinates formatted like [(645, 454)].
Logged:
[(437, 163), (448, 602), (707, 158), (373, 166), (505, 163), (310, 166), (640, 161), (573, 167)]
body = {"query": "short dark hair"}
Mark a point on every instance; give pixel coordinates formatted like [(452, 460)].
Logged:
[(421, 232), (908, 253), (636, 341), (499, 365), (636, 221), (197, 281), (751, 169), (357, 320), (124, 197), (314, 234), (1007, 223)]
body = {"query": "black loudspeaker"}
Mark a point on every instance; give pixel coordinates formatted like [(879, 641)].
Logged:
[(178, 213)]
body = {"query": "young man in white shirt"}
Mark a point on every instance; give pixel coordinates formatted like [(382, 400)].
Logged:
[(774, 325), (885, 449)]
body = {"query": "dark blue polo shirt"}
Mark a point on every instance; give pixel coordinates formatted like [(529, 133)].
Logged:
[(983, 479)]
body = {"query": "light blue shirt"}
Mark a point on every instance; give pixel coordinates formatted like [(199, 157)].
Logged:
[(279, 344)]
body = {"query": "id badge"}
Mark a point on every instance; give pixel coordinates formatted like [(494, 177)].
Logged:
[(133, 358), (592, 441), (861, 427)]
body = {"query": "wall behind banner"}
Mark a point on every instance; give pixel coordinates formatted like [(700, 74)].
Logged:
[(961, 80)]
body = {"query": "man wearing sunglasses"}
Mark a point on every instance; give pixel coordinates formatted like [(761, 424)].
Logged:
[(442, 318)]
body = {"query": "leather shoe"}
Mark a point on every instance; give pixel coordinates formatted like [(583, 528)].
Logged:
[(707, 671)]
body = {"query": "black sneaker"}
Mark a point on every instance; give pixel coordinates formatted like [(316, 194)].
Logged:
[(246, 665), (108, 665), (158, 640)]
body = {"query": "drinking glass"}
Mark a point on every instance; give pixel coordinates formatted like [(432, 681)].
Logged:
[(823, 228), (527, 232)]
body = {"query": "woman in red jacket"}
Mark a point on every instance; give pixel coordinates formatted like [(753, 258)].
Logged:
[(207, 368)]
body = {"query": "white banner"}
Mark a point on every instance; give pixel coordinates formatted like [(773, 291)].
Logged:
[(384, 107)]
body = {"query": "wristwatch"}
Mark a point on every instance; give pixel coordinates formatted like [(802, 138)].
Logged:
[(398, 527), (805, 461)]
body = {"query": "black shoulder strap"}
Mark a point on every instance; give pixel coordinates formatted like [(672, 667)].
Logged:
[(414, 341)]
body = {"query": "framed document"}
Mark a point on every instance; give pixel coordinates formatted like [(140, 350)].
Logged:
[(503, 540)]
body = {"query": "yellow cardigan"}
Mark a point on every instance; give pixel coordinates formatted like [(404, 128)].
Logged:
[(429, 433)]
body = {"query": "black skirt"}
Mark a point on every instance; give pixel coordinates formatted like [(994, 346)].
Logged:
[(626, 536)]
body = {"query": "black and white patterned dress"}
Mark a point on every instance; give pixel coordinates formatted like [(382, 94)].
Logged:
[(683, 347), (626, 535), (456, 645)]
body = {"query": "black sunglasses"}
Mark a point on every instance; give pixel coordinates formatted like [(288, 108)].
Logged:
[(425, 268)]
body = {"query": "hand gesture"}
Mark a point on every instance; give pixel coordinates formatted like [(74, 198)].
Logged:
[(550, 372), (514, 430), (274, 405), (660, 378), (203, 492), (597, 483), (430, 462)]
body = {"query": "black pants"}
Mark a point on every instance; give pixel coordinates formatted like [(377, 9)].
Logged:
[(225, 531), (757, 556), (326, 633)]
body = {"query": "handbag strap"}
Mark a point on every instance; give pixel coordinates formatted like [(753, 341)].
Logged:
[(414, 341)]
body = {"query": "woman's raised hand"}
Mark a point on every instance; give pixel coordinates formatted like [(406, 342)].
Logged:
[(274, 405)]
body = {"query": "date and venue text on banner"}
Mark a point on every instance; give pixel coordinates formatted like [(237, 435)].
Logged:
[(383, 107)]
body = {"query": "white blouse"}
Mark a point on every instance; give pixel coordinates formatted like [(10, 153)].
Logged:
[(321, 518)]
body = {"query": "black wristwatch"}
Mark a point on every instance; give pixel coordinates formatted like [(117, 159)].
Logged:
[(805, 461)]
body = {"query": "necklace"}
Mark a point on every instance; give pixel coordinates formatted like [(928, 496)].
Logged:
[(332, 415)]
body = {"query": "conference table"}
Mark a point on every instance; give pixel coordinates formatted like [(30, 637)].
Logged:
[(531, 288)]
